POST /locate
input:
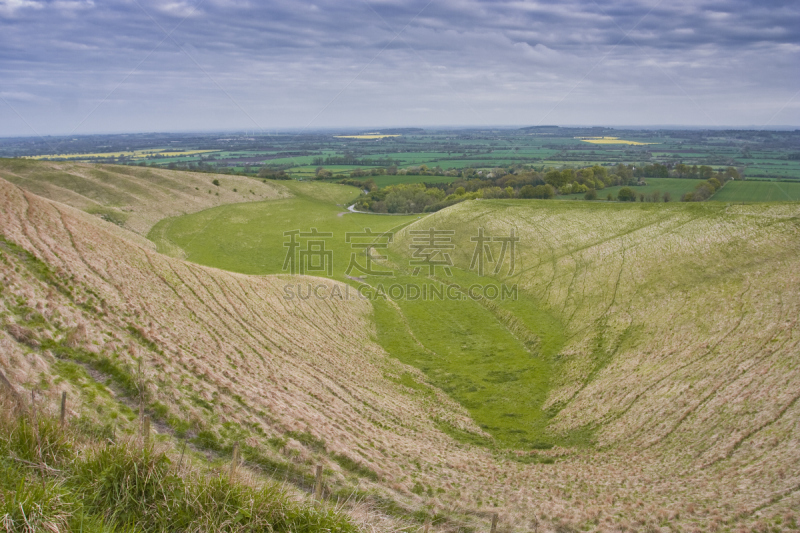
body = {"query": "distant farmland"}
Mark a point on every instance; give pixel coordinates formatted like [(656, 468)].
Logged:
[(758, 191)]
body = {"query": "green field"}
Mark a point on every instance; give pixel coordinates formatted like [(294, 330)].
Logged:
[(758, 191), (248, 238)]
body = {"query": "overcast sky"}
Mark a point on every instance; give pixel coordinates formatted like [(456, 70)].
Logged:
[(83, 66)]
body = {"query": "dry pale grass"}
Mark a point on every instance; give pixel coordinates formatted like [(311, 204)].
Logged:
[(134, 197)]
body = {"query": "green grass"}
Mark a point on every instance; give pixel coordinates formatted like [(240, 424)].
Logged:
[(468, 351), (470, 355), (758, 191), (89, 485), (249, 238), (309, 171)]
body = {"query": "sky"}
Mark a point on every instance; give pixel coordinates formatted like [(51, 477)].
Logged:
[(91, 66)]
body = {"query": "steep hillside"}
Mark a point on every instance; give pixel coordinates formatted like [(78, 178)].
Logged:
[(224, 356), (134, 197)]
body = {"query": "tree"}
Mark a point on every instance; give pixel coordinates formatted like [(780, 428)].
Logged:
[(600, 172), (557, 179), (526, 192), (624, 172), (704, 191), (268, 173), (539, 191), (732, 173), (544, 191), (586, 176), (626, 194), (591, 194)]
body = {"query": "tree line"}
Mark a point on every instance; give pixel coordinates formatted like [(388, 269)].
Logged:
[(517, 183), (351, 159)]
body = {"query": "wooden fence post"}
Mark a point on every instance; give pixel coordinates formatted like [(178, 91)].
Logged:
[(234, 461), (318, 484), (494, 523), (139, 390), (63, 408), (146, 429), (35, 423)]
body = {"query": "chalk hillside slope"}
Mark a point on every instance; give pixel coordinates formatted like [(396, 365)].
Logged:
[(134, 197), (219, 349), (681, 356)]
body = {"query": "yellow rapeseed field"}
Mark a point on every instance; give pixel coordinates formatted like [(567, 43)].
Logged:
[(135, 154), (365, 136), (609, 140)]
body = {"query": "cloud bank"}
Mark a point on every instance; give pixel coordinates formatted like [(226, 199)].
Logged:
[(79, 66)]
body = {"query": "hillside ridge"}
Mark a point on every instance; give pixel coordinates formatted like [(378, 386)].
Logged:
[(134, 197)]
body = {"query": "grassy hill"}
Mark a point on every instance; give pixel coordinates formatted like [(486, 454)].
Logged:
[(133, 197), (248, 238), (645, 378)]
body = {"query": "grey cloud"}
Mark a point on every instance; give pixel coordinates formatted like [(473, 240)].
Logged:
[(461, 61)]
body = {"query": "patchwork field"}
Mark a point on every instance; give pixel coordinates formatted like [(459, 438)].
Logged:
[(756, 154), (644, 378)]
